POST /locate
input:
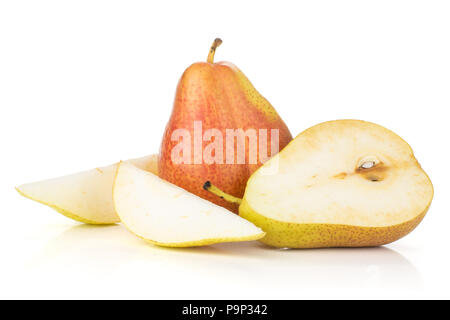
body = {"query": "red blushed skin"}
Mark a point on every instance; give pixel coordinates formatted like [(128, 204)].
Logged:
[(220, 96)]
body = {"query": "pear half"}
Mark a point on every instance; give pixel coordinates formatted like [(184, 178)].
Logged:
[(166, 215), (85, 196), (344, 183)]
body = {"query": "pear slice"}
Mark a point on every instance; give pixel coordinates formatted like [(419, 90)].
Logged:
[(344, 183), (166, 215), (84, 196)]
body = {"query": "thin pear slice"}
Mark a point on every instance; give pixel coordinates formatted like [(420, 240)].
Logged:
[(344, 183), (166, 215), (85, 196)]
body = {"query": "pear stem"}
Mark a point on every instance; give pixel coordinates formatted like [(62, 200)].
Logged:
[(217, 42), (227, 197)]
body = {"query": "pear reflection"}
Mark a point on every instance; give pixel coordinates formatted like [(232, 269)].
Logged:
[(88, 249), (95, 251), (335, 267)]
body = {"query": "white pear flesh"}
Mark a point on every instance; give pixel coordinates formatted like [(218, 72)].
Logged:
[(166, 215), (339, 183), (85, 196)]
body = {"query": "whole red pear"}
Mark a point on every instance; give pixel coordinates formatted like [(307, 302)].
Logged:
[(212, 101)]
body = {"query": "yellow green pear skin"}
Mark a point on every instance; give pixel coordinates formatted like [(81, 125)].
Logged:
[(308, 236)]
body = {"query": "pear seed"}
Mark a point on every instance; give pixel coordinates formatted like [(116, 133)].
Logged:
[(368, 164)]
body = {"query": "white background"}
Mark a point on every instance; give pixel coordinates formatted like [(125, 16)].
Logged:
[(87, 83)]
